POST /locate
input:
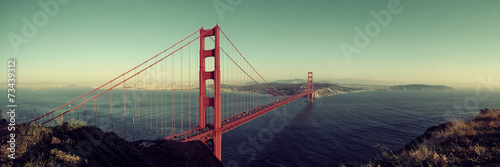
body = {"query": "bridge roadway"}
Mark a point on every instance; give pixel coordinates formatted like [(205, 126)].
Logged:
[(208, 132)]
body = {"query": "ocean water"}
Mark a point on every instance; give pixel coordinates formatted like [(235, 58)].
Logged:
[(340, 129), (346, 129)]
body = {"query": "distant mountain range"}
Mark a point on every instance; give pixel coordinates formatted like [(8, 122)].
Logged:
[(290, 87), (419, 87), (290, 81)]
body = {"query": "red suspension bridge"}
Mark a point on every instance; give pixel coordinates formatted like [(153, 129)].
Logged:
[(158, 95)]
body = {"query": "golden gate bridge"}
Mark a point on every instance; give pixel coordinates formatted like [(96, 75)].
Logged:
[(152, 94)]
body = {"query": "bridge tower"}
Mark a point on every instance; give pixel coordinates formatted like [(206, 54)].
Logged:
[(310, 86), (215, 75)]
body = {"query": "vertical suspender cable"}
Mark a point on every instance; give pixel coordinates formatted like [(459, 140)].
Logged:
[(124, 111), (182, 104), (111, 108), (189, 87)]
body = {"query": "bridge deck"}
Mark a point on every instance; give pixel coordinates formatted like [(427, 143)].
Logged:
[(205, 134)]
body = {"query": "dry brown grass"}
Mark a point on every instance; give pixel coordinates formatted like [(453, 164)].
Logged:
[(67, 159), (70, 144), (31, 143), (457, 143)]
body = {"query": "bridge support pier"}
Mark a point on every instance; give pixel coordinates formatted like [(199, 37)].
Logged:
[(310, 86), (215, 75)]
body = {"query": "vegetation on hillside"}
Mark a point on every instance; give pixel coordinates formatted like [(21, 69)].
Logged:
[(71, 144), (39, 146), (457, 143)]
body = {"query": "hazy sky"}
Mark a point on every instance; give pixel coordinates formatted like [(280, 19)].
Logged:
[(450, 42)]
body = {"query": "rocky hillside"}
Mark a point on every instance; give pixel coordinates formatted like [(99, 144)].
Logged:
[(475, 142), (74, 145)]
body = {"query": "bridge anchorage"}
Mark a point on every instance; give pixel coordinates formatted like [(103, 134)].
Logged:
[(147, 96)]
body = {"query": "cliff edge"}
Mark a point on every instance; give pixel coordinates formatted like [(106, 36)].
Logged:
[(474, 142), (73, 145)]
